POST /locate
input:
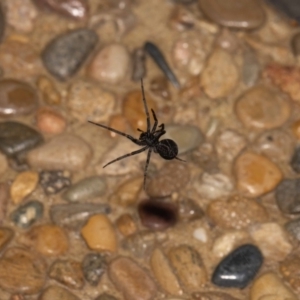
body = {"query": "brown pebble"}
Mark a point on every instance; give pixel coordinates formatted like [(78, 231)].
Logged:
[(57, 292), (99, 233), (50, 121), (49, 240), (22, 271), (126, 224), (6, 235), (256, 174), (23, 185), (296, 129), (48, 90), (131, 280)]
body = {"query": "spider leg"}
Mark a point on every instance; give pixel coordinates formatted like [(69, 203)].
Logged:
[(155, 121), (136, 141), (146, 107), (140, 130), (126, 155), (180, 159), (146, 167)]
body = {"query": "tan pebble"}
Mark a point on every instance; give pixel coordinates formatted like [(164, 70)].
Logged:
[(57, 292), (49, 240), (296, 129), (163, 273), (50, 121), (289, 268), (270, 287), (220, 75), (126, 224), (48, 90), (236, 212), (131, 280), (189, 267), (23, 185), (117, 122), (3, 164), (99, 234), (256, 174), (22, 271), (134, 111), (6, 235), (272, 240)]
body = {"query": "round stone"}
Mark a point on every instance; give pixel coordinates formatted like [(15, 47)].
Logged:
[(57, 292), (50, 121), (93, 267), (262, 108), (17, 98), (247, 14)]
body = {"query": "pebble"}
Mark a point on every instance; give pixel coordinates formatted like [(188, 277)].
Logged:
[(21, 14), (138, 64), (200, 234), (189, 210), (289, 268), (293, 227), (134, 111), (118, 122), (4, 197), (220, 75), (126, 225), (290, 8), (59, 56), (98, 104), (187, 137), (238, 268), (234, 14), (214, 186), (295, 161), (130, 279), (272, 239), (2, 24), (6, 235), (67, 272), (269, 286), (188, 266), (110, 65), (73, 216), (49, 240), (50, 121), (66, 151), (287, 196), (16, 138), (17, 98), (22, 271), (295, 44), (256, 174), (86, 189), (106, 296), (157, 215), (57, 292), (236, 213), (172, 177), (163, 273), (3, 164), (27, 214), (251, 68), (160, 88), (76, 9), (54, 181), (262, 108), (23, 185), (93, 267), (48, 90), (213, 296), (99, 234)]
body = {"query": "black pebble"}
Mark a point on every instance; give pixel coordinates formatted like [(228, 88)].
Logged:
[(93, 267), (239, 267), (295, 161)]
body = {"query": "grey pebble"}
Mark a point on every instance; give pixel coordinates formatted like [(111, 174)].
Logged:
[(54, 181), (251, 68), (85, 189), (64, 55), (93, 267), (73, 216), (293, 227), (139, 68)]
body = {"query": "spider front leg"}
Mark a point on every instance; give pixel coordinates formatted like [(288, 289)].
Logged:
[(155, 121)]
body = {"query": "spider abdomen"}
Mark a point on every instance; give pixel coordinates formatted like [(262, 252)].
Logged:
[(167, 149)]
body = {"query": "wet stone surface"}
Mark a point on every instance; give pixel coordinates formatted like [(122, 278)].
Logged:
[(93, 266), (54, 181)]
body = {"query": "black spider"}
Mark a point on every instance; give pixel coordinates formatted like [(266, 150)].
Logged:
[(166, 148)]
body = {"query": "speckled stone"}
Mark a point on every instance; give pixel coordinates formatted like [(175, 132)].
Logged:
[(22, 271), (130, 279), (65, 54), (4, 197), (16, 137), (246, 15), (54, 181), (50, 121), (256, 174), (126, 224), (289, 268), (6, 235), (262, 108), (93, 267), (293, 227), (295, 161), (57, 292)]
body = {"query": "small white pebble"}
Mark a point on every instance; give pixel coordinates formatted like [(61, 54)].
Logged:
[(200, 234)]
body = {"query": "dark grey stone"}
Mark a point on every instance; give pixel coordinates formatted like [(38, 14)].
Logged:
[(93, 267)]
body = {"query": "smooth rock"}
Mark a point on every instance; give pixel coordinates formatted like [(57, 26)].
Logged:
[(48, 90), (126, 225), (293, 227), (6, 235), (23, 185), (272, 239), (220, 75), (289, 268), (295, 161), (65, 54), (251, 68), (237, 212), (57, 292), (67, 152), (27, 214), (67, 272), (54, 181), (85, 189), (289, 8), (256, 174), (16, 137), (93, 267), (4, 197), (22, 271), (246, 15), (262, 108), (99, 234), (189, 210), (17, 98), (287, 195), (131, 280), (49, 240), (110, 65), (157, 215), (50, 121), (106, 296), (73, 216), (238, 268), (3, 164)]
